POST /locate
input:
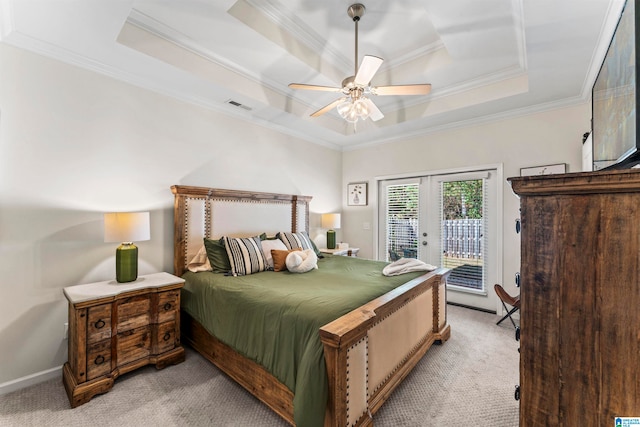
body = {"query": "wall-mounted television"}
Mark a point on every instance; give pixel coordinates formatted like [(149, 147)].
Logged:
[(614, 122)]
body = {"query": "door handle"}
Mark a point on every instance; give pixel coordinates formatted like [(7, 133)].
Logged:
[(424, 243)]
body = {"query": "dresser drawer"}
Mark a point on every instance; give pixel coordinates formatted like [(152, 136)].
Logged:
[(133, 313), (98, 359), (98, 323), (134, 344), (168, 306)]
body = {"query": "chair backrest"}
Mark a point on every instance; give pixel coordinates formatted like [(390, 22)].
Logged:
[(504, 296)]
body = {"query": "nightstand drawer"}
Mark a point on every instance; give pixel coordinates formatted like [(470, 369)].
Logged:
[(98, 323), (133, 312), (166, 337), (133, 345), (98, 359), (168, 306)]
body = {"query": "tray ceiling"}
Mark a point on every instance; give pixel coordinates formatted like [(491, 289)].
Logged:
[(485, 59)]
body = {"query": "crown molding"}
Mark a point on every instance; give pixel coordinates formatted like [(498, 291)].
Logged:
[(476, 121), (7, 24), (282, 17), (607, 30)]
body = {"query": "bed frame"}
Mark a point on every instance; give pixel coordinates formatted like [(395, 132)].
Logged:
[(368, 352)]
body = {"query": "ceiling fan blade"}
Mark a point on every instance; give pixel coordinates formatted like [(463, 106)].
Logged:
[(314, 87), (422, 89), (327, 107), (368, 68), (374, 113)]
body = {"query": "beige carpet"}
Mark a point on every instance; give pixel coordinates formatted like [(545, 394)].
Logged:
[(468, 381)]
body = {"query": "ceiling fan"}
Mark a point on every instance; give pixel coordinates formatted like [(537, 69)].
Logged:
[(356, 103)]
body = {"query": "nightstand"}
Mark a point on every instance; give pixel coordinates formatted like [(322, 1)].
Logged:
[(343, 252), (116, 327)]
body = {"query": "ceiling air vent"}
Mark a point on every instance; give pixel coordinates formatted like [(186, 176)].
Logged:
[(237, 104)]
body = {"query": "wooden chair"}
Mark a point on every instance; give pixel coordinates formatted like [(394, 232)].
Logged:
[(505, 298)]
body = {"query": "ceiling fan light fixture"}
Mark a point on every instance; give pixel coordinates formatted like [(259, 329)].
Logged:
[(362, 108), (353, 110)]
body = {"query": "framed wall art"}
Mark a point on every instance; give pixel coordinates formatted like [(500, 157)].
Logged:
[(544, 170), (357, 194)]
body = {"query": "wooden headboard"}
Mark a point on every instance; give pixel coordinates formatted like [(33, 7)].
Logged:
[(211, 212)]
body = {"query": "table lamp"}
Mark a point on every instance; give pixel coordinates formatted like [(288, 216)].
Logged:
[(331, 221), (126, 228)]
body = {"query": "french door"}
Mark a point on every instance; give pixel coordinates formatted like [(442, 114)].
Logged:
[(448, 220)]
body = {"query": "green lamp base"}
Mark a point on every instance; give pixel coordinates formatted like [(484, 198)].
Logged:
[(126, 263), (331, 239)]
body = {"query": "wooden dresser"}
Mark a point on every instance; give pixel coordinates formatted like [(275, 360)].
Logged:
[(115, 328), (580, 293)]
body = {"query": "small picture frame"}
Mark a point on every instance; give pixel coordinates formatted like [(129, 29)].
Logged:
[(544, 170), (357, 194)]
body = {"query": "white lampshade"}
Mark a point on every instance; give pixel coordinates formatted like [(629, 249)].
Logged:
[(330, 220), (126, 227)]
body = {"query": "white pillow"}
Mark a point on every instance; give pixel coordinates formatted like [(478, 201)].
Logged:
[(267, 245), (302, 261)]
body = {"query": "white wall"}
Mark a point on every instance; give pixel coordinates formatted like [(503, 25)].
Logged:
[(75, 144), (538, 139)]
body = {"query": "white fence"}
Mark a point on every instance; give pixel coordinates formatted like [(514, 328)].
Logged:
[(461, 238)]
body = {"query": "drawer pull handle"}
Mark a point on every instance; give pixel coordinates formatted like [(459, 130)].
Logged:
[(167, 336), (99, 324), (99, 360), (167, 306)]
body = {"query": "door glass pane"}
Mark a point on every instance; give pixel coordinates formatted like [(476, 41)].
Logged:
[(402, 221), (462, 221)]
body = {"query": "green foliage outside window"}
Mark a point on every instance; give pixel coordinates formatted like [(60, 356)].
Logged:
[(462, 199)]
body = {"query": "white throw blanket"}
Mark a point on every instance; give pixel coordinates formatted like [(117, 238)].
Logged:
[(406, 265), (200, 262)]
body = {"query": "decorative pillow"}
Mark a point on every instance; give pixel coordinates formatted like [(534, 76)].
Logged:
[(315, 249), (269, 245), (217, 255), (200, 262), (264, 236), (302, 261), (280, 258), (295, 240), (245, 255)]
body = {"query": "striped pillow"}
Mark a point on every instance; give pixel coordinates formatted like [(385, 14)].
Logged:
[(245, 255), (295, 240)]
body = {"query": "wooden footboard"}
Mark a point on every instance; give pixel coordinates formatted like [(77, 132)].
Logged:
[(372, 349), (368, 351)]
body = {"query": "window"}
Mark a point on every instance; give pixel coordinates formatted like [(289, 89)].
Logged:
[(462, 218), (402, 205)]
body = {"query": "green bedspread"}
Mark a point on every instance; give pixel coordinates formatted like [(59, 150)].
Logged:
[(273, 318)]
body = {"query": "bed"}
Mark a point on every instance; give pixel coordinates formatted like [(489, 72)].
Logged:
[(366, 351)]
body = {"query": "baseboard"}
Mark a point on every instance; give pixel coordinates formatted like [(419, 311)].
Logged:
[(29, 380), (484, 310)]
